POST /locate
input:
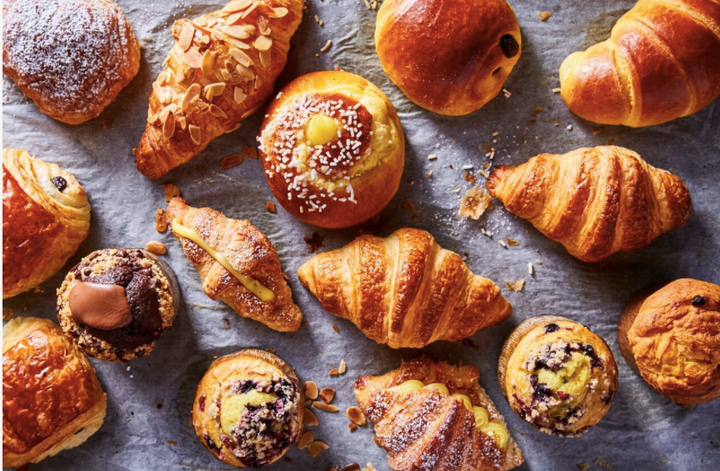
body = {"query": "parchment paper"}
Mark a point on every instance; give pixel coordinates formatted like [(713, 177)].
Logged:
[(148, 423)]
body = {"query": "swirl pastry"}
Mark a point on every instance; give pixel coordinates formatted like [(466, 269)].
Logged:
[(52, 400), (557, 375), (332, 148), (116, 303), (448, 56), (405, 290), (237, 264), (248, 408), (46, 216), (436, 417), (594, 201), (672, 336), (71, 57), (221, 69)]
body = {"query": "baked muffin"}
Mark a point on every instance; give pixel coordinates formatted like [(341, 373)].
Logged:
[(557, 375), (248, 408), (672, 336), (116, 303), (332, 148)]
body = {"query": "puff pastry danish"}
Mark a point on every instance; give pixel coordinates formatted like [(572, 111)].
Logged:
[(52, 400), (46, 215)]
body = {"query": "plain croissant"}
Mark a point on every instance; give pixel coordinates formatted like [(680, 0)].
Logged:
[(662, 62), (221, 69), (594, 201), (405, 291)]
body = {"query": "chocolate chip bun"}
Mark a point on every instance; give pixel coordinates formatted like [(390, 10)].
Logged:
[(671, 335), (248, 408), (557, 375), (332, 148), (116, 303)]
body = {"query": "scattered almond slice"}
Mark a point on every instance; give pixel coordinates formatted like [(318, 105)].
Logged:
[(8, 314), (355, 415), (160, 222), (544, 15), (171, 191), (352, 426), (327, 394), (474, 203), (309, 418), (342, 368), (326, 407), (270, 207), (334, 372), (515, 285), (230, 161), (511, 242), (250, 151), (311, 390), (316, 447), (158, 248), (305, 439)]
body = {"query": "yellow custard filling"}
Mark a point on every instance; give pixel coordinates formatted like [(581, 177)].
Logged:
[(572, 378), (321, 129), (232, 407), (482, 418), (253, 285)]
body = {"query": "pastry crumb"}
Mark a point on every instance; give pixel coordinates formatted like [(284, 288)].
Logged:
[(171, 191), (544, 15), (343, 367), (474, 203), (584, 466), (336, 328), (158, 248), (249, 152), (8, 313), (161, 224), (511, 242), (270, 207), (315, 242), (327, 46), (515, 285)]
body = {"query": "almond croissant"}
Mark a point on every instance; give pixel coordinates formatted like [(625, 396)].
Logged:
[(594, 201), (220, 70), (237, 263), (404, 291), (436, 417)]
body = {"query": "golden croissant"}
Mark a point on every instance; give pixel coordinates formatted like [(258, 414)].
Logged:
[(661, 62), (436, 417), (594, 201), (405, 290), (237, 264), (221, 69)]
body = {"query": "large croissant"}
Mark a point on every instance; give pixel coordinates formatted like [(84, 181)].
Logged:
[(662, 62), (594, 201), (436, 417), (405, 291), (254, 285), (221, 70)]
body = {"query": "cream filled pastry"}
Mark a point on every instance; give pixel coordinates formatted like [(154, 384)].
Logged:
[(116, 303), (557, 375), (332, 148)]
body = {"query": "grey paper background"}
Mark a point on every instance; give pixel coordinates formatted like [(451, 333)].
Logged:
[(148, 422)]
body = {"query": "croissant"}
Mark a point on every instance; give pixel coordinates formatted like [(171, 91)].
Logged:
[(594, 201), (660, 63), (237, 263), (46, 216), (404, 291), (220, 70), (436, 417)]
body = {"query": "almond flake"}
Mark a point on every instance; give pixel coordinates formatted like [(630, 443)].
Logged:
[(171, 191), (263, 25), (159, 92), (231, 161), (234, 18), (309, 418), (193, 58), (160, 222), (270, 207), (531, 269), (326, 407), (169, 126), (237, 5), (278, 12), (180, 75), (334, 372), (265, 59), (238, 32), (208, 61), (355, 414), (186, 36), (316, 447), (192, 92), (213, 90), (327, 394), (544, 15), (352, 426), (158, 248), (245, 73), (181, 121), (239, 95), (241, 57), (263, 43), (343, 367), (305, 439), (251, 9), (250, 151), (194, 134), (238, 43), (326, 47), (311, 390), (162, 77)]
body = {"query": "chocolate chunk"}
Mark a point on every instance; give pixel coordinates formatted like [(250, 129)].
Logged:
[(698, 301), (59, 182), (509, 46)]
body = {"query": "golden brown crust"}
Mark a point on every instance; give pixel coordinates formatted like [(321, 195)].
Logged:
[(248, 44), (50, 393), (427, 430), (660, 63), (351, 186), (43, 226), (250, 252), (71, 57), (405, 290), (674, 340), (448, 56), (557, 375), (595, 201)]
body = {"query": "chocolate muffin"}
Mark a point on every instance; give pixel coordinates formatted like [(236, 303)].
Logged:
[(116, 303)]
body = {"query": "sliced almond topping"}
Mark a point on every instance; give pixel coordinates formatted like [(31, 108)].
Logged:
[(311, 390), (186, 36), (241, 57), (263, 25), (252, 8), (263, 43), (327, 394), (162, 77), (203, 39), (316, 447), (238, 32), (238, 43), (355, 414), (278, 12), (225, 75), (326, 407), (200, 21), (237, 5), (159, 92), (194, 134), (192, 92), (152, 118), (309, 418), (217, 112), (258, 82), (169, 126), (343, 367), (181, 121), (239, 95), (180, 75), (230, 161), (265, 59), (234, 18), (171, 191), (245, 73), (305, 439), (213, 90), (193, 58), (160, 222), (208, 61), (158, 248)]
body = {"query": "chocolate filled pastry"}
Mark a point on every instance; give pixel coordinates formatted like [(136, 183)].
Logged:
[(448, 56), (71, 57), (248, 408), (221, 69), (237, 264), (332, 148), (46, 216), (436, 417), (116, 303), (671, 335), (52, 400), (557, 375)]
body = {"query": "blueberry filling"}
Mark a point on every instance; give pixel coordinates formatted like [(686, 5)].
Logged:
[(698, 301), (550, 328), (59, 182)]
